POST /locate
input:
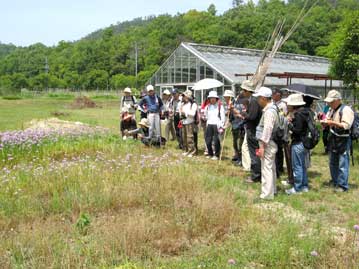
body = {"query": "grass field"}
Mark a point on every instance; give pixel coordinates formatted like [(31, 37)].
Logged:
[(99, 202)]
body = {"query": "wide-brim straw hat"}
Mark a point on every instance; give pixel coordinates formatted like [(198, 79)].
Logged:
[(332, 96), (248, 86), (144, 122), (213, 94), (188, 93), (295, 99)]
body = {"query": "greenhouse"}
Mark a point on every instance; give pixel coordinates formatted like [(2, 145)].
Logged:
[(192, 62)]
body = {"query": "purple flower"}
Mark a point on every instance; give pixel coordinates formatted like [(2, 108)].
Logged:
[(356, 227), (314, 253), (231, 261)]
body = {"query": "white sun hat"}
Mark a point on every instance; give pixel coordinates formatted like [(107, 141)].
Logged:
[(188, 93), (144, 122), (332, 96), (295, 99), (264, 92), (213, 94), (150, 88), (166, 92), (228, 93), (127, 90)]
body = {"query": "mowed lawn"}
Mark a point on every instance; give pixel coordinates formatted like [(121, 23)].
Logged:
[(16, 113), (100, 202)]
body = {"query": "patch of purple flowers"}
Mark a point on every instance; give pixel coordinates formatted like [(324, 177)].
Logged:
[(30, 137)]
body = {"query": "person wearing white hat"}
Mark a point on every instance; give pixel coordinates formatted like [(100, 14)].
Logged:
[(252, 117), (267, 147), (339, 119), (153, 105), (129, 101), (168, 114), (128, 112), (228, 97), (215, 123), (299, 125), (282, 106), (188, 112)]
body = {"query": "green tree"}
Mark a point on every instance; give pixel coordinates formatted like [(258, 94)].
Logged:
[(121, 81), (97, 80), (344, 51)]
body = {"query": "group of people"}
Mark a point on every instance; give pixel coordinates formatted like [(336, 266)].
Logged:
[(266, 128)]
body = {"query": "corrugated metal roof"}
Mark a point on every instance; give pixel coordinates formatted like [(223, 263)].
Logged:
[(229, 61)]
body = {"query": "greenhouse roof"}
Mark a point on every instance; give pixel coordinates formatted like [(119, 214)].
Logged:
[(230, 61)]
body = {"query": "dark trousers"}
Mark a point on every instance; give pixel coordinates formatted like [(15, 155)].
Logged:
[(195, 138), (143, 115), (279, 159), (288, 160), (325, 138), (176, 120), (255, 161), (238, 138), (212, 137)]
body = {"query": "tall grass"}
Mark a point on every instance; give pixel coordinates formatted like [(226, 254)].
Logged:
[(100, 202)]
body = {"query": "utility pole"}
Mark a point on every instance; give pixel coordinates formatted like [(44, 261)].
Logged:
[(136, 58), (47, 73)]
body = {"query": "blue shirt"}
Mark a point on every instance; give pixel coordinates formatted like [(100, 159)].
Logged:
[(153, 103)]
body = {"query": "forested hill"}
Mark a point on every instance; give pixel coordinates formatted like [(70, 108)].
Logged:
[(106, 58), (6, 49), (121, 27)]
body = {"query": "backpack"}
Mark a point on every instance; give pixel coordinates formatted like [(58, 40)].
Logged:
[(354, 129), (132, 99), (197, 117), (280, 134), (312, 135)]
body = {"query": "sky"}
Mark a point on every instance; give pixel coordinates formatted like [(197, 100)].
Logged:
[(25, 22)]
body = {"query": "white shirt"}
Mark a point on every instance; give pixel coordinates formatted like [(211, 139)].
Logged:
[(189, 111), (282, 106), (212, 115)]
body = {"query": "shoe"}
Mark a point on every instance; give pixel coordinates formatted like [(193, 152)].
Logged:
[(215, 158), (190, 155), (209, 157), (235, 159), (285, 183), (238, 163), (185, 153), (339, 189), (205, 153), (250, 180), (264, 198), (305, 189), (291, 191)]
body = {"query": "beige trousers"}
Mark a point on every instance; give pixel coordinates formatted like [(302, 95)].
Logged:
[(268, 169), (246, 159)]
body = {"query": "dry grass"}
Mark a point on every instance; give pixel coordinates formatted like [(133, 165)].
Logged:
[(142, 214)]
